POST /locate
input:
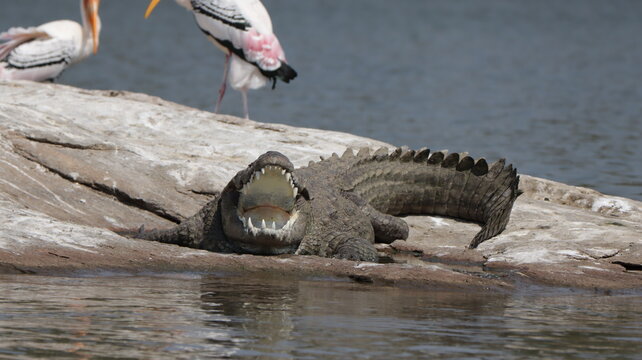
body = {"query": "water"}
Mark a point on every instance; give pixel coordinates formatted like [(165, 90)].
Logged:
[(189, 316), (554, 86)]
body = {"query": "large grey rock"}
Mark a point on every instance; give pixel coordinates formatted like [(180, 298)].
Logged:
[(76, 163)]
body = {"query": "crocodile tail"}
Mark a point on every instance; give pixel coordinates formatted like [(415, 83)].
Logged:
[(408, 182), (497, 207)]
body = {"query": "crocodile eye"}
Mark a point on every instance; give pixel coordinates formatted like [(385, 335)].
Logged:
[(266, 202)]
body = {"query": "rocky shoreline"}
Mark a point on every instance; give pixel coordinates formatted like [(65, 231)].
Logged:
[(75, 164)]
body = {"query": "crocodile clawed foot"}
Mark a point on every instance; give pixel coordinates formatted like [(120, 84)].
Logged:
[(356, 250)]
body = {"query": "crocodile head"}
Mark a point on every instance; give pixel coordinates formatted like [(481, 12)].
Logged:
[(262, 207)]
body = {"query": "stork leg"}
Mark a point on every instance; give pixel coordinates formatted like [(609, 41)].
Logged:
[(221, 91), (246, 110)]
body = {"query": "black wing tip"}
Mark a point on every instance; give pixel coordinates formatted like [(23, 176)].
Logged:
[(286, 73)]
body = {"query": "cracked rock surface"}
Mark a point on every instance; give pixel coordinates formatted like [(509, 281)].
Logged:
[(76, 164)]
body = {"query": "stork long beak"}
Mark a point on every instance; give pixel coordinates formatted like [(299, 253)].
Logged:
[(91, 9), (150, 7)]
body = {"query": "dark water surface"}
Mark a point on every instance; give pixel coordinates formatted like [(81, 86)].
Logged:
[(189, 316), (554, 86)]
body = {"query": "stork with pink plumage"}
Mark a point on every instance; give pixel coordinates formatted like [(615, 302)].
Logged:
[(242, 29)]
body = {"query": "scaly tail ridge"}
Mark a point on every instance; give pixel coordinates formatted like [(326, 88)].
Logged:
[(406, 182)]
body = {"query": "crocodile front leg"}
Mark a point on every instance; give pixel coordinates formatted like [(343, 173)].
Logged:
[(201, 231), (355, 249), (339, 244), (343, 246), (338, 228)]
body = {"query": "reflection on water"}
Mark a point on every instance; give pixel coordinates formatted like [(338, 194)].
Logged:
[(184, 315)]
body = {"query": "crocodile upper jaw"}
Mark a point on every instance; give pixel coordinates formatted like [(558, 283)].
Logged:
[(266, 202)]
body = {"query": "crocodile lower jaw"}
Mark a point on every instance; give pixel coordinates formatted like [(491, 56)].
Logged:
[(269, 226)]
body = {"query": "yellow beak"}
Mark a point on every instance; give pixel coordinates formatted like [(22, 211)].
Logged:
[(150, 7), (91, 8)]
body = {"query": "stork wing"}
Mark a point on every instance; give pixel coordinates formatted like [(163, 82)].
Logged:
[(228, 20), (41, 53), (16, 36), (256, 15), (224, 13), (245, 29)]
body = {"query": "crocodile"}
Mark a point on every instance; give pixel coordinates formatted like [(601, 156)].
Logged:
[(341, 205)]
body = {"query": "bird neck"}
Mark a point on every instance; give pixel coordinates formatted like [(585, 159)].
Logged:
[(87, 39)]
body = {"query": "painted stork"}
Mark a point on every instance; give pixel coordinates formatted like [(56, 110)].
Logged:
[(42, 53), (242, 29)]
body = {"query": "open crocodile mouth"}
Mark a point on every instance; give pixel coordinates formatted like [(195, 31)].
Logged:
[(266, 202)]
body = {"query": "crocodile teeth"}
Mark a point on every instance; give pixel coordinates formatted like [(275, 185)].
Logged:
[(268, 200)]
